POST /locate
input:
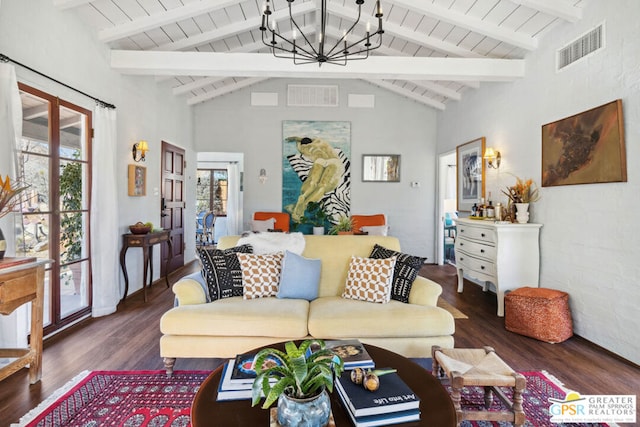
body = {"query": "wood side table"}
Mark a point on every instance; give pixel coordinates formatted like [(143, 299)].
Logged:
[(436, 407), (146, 242), (22, 281)]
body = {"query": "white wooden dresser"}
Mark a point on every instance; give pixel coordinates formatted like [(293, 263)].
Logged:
[(507, 255)]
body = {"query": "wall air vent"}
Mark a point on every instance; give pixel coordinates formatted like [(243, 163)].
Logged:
[(312, 96), (581, 47)]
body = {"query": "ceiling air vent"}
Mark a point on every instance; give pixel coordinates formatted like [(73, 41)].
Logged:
[(581, 47), (312, 96)]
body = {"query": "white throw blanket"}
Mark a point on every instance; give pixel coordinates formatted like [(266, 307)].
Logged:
[(266, 243)]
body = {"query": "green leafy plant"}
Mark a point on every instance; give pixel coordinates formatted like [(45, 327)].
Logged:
[(344, 223), (317, 216), (71, 222), (301, 372)]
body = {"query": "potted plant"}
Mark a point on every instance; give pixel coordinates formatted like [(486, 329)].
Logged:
[(9, 193), (344, 225), (317, 217), (302, 377)]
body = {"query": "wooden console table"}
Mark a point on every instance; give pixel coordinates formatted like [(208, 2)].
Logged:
[(22, 281), (146, 242)]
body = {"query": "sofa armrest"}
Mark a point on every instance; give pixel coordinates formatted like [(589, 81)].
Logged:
[(424, 292), (191, 290)]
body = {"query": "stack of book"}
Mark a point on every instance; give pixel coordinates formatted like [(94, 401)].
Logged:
[(237, 378), (352, 353), (393, 403)]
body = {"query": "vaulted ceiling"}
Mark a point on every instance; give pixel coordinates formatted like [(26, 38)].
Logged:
[(432, 50)]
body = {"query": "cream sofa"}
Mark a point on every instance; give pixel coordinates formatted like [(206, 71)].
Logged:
[(226, 327)]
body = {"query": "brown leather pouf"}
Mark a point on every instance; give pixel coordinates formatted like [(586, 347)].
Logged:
[(539, 313)]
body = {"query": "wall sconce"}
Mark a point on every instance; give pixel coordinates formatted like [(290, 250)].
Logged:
[(493, 157), (263, 176), (139, 149)]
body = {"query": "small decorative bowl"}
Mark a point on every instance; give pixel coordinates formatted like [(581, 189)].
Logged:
[(139, 228)]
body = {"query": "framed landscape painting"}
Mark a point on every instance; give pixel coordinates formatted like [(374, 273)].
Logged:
[(470, 174), (585, 148)]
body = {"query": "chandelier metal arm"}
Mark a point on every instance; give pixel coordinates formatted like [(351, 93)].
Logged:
[(305, 52)]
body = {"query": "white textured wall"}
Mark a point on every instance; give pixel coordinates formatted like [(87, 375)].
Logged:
[(395, 126), (589, 240), (56, 43)]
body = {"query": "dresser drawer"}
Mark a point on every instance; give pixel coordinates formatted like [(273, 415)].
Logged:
[(483, 266), (481, 250), (476, 233)]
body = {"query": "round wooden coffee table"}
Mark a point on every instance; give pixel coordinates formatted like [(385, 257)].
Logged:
[(436, 407)]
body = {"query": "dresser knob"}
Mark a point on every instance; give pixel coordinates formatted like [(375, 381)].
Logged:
[(482, 234), (481, 251), (461, 244), (482, 267), (461, 259)]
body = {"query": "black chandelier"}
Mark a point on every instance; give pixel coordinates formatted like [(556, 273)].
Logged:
[(305, 52)]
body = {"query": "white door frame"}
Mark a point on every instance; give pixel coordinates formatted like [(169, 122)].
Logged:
[(444, 160)]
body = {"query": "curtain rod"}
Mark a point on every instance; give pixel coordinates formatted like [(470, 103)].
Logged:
[(5, 58)]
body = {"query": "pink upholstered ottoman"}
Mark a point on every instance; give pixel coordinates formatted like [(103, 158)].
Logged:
[(539, 313)]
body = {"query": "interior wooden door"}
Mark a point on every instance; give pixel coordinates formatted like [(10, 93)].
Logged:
[(173, 204)]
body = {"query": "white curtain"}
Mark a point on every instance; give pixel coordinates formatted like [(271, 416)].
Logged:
[(234, 217), (104, 214), (13, 328)]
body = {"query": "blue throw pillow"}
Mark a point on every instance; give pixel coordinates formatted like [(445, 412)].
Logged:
[(300, 277)]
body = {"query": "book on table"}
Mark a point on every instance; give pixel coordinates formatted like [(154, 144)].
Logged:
[(237, 377), (394, 395), (352, 353)]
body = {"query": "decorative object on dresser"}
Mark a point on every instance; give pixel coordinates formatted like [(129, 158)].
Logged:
[(470, 174), (507, 255), (520, 195)]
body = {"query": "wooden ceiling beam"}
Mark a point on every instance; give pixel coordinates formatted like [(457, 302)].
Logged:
[(232, 29), (266, 65), (557, 8), (469, 22), (223, 90), (146, 23), (68, 4), (407, 93), (409, 35)]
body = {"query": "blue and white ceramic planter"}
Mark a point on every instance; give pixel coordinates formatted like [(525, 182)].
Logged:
[(311, 412)]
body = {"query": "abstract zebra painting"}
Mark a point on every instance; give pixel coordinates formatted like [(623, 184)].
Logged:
[(316, 167)]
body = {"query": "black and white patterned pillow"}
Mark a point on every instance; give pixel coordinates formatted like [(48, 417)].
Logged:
[(221, 270), (405, 272)]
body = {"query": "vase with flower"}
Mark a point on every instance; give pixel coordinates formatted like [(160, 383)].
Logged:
[(8, 201), (520, 195)]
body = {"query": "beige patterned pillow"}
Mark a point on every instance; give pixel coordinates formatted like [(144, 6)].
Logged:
[(369, 279), (260, 274)]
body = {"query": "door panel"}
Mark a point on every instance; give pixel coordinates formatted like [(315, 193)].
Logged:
[(173, 205)]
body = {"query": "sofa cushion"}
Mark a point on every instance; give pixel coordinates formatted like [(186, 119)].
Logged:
[(337, 317), (260, 274), (300, 277), (263, 225), (405, 272), (369, 279), (237, 317), (221, 271)]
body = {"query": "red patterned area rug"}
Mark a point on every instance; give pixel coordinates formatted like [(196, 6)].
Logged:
[(121, 398), (149, 398)]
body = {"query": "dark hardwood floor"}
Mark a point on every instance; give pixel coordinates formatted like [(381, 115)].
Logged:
[(129, 340)]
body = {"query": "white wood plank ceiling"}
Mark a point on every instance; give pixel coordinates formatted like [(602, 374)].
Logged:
[(433, 50)]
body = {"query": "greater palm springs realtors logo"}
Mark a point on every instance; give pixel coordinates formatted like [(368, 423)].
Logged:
[(593, 409)]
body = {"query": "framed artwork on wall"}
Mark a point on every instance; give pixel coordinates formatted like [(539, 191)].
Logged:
[(470, 174), (381, 168), (316, 167), (585, 148), (137, 180)]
